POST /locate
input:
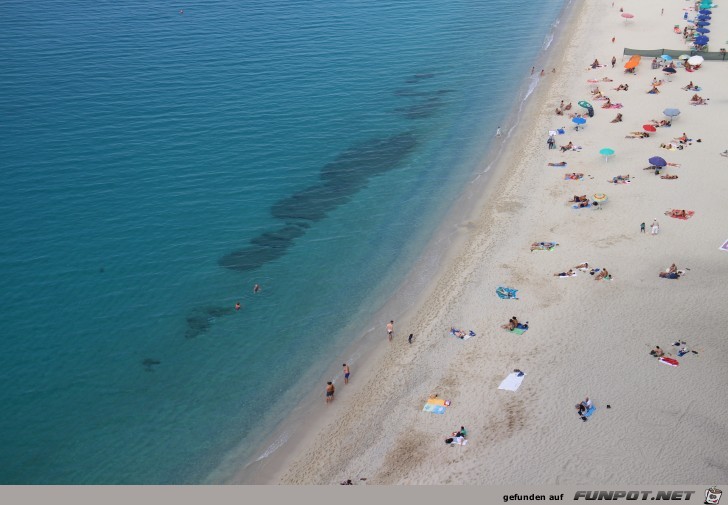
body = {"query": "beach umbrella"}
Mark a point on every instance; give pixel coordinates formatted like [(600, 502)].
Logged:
[(703, 23), (702, 40), (671, 112), (703, 30), (606, 152), (705, 12), (649, 128), (578, 120), (599, 197), (695, 60), (669, 70), (704, 18), (684, 56), (657, 161), (666, 57), (585, 104), (627, 15)]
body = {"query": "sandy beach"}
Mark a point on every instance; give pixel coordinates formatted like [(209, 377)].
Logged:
[(586, 337)]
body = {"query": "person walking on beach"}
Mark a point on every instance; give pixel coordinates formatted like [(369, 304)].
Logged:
[(655, 228), (409, 339), (642, 228), (346, 373), (390, 330), (498, 132), (329, 392), (614, 61), (542, 74)]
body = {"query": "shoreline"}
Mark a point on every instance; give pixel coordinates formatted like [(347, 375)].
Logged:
[(453, 230), (587, 338)]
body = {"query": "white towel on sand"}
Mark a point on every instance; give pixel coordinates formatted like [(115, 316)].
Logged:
[(512, 382)]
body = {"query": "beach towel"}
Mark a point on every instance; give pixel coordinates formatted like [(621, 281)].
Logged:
[(569, 177), (506, 293), (688, 215), (519, 331), (558, 131), (459, 441), (512, 382), (669, 361), (548, 246), (590, 411), (613, 106), (565, 276), (433, 409), (577, 207), (455, 331), (438, 401)]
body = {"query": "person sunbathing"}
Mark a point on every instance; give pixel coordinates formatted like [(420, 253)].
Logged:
[(595, 64), (575, 176), (682, 139), (637, 135), (559, 164), (699, 101), (653, 91), (537, 246), (668, 177), (607, 79), (578, 198), (458, 333), (596, 91), (617, 119), (607, 104), (622, 87), (672, 269), (565, 274), (657, 352), (689, 87), (603, 274), (655, 82), (582, 266), (584, 203), (567, 106), (567, 147), (669, 275), (559, 112), (619, 178), (583, 407), (678, 213)]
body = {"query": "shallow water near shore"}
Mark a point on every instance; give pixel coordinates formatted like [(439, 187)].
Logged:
[(159, 163)]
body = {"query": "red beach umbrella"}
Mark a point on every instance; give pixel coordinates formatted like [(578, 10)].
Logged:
[(649, 128), (627, 15)]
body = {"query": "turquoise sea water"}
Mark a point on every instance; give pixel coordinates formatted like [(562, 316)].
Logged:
[(157, 164)]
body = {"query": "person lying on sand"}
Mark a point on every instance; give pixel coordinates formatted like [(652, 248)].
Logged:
[(578, 198), (689, 86), (565, 274), (699, 101), (657, 352), (656, 82), (458, 334), (559, 164), (637, 135), (670, 275), (607, 104), (559, 112), (617, 119), (567, 147), (653, 91), (622, 87), (619, 178), (676, 213), (662, 122), (574, 176), (567, 106), (595, 64), (602, 275), (511, 325), (668, 177), (582, 266), (607, 79), (538, 246)]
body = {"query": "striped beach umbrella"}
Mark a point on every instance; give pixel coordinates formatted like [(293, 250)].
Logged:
[(599, 197)]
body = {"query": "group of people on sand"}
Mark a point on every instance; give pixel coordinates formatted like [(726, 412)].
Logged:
[(567, 147), (698, 100), (637, 135), (622, 87), (457, 437), (671, 273), (619, 179), (677, 213), (513, 323), (579, 199), (540, 246), (663, 122), (583, 407), (561, 108), (691, 87)]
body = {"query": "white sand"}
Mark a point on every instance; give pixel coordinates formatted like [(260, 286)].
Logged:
[(587, 337)]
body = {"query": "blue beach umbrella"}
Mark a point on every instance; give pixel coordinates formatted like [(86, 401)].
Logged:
[(666, 57), (606, 152), (579, 120), (705, 12), (702, 24), (702, 40), (703, 30), (704, 18), (669, 70), (671, 112), (657, 161)]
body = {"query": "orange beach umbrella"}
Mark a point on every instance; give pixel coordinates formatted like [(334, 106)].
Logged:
[(633, 61)]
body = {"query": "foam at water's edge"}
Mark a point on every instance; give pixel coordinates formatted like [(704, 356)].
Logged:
[(277, 444)]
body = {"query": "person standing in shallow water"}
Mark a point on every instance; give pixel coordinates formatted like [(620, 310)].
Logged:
[(390, 330), (346, 373), (329, 392)]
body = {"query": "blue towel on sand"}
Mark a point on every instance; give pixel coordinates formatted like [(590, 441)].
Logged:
[(590, 411)]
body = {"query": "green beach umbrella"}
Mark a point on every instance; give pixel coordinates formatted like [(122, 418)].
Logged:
[(585, 104), (607, 152)]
